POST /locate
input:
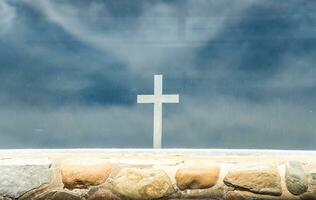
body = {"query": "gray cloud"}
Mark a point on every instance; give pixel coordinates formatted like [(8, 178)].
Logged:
[(244, 71), (137, 40), (7, 16), (220, 123)]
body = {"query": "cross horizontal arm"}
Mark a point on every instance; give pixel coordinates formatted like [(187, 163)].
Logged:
[(145, 99), (168, 98)]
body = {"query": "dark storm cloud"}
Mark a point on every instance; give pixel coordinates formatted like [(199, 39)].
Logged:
[(41, 65), (255, 47), (28, 80)]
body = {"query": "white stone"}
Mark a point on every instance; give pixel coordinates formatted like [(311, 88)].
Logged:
[(18, 176)]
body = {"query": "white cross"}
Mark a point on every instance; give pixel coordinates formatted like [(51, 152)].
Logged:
[(157, 99)]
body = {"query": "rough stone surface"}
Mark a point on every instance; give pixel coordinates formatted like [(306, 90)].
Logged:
[(233, 195), (255, 178), (312, 181), (5, 198), (82, 173), (197, 177), (101, 194), (136, 183), (58, 195), (155, 175), (295, 178), (64, 195), (308, 196), (311, 191), (18, 176), (247, 195)]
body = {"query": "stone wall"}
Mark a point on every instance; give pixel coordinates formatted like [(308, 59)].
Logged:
[(150, 174)]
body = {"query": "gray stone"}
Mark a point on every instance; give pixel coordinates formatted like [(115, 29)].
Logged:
[(295, 178), (56, 195), (18, 176), (5, 198), (65, 195), (310, 194)]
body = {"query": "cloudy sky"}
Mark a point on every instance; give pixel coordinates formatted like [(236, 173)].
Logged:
[(245, 71)]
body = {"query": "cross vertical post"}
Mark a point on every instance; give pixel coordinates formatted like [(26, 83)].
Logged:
[(157, 137), (157, 99)]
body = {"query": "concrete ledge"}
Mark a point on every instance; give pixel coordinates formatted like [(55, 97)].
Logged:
[(96, 174)]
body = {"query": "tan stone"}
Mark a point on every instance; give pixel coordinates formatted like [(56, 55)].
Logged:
[(260, 179), (101, 194), (140, 184), (233, 195), (197, 177), (255, 196), (81, 173)]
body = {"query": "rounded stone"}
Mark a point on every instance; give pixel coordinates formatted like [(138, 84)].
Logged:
[(101, 194), (295, 178), (262, 179), (197, 177), (82, 173), (134, 183)]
